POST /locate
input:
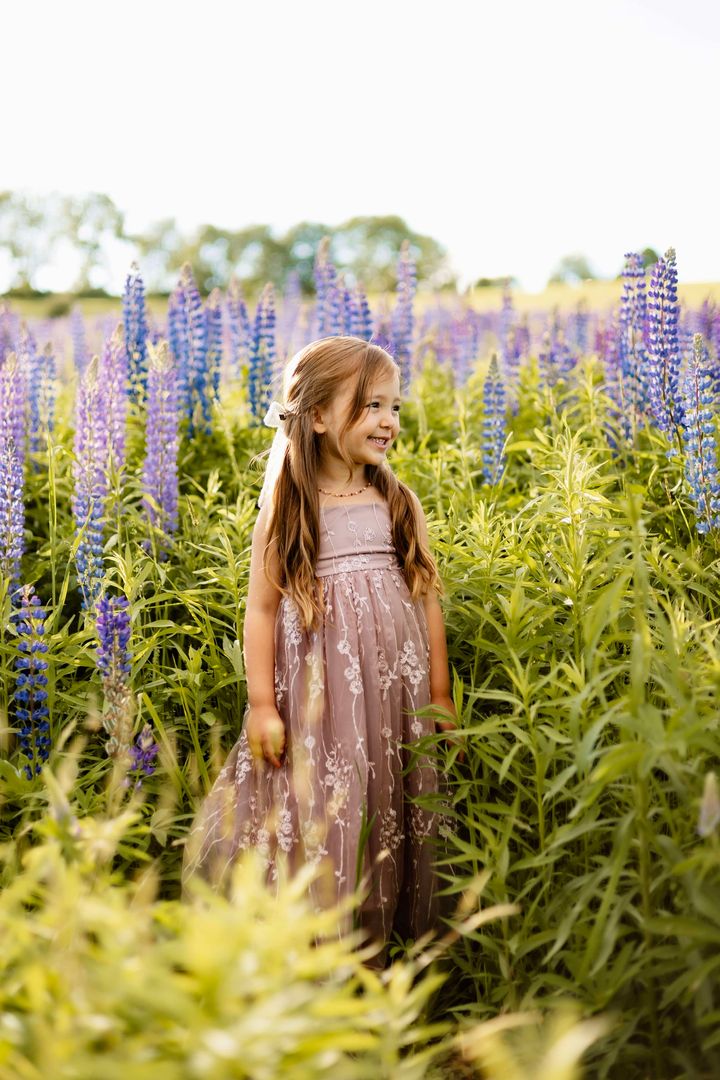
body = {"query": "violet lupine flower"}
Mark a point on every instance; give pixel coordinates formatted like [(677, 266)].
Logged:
[(494, 424), (361, 316), (114, 664), (31, 695), (114, 379), (12, 513), (160, 477), (142, 757), (506, 348), (81, 356), (632, 351), (239, 327), (9, 331), (90, 472), (179, 340), (288, 322), (136, 331), (700, 446), (663, 354), (40, 367), (12, 402), (402, 317), (262, 356), (214, 318), (198, 405), (327, 308)]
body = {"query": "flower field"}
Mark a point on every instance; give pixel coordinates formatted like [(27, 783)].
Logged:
[(568, 465)]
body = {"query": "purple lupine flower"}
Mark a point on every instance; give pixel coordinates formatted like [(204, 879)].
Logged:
[(328, 313), (346, 305), (12, 402), (114, 664), (663, 354), (262, 356), (505, 336), (9, 331), (632, 352), (361, 316), (142, 757), (40, 368), (179, 341), (198, 405), (81, 356), (289, 316), (90, 472), (700, 447), (240, 329), (114, 378), (12, 513), (214, 317), (402, 317), (160, 476), (31, 694), (135, 331), (494, 424)]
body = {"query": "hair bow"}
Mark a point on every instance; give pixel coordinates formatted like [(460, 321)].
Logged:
[(275, 416)]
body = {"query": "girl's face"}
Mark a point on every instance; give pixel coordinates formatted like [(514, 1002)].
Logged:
[(369, 439)]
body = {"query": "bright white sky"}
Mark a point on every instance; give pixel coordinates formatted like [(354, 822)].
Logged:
[(513, 132)]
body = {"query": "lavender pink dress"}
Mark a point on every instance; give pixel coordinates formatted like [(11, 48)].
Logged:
[(346, 693)]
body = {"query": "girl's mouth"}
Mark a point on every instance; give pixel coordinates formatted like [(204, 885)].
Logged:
[(378, 442)]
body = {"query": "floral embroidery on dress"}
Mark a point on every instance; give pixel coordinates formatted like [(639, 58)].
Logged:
[(316, 684), (410, 665), (391, 835)]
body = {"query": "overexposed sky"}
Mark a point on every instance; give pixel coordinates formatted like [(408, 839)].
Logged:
[(512, 132)]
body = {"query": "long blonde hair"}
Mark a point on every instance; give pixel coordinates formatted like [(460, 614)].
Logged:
[(321, 371)]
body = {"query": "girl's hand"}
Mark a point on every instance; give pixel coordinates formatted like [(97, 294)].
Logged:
[(266, 735)]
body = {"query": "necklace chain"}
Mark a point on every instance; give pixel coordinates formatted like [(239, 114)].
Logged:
[(345, 494)]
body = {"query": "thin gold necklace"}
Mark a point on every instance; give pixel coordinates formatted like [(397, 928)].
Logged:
[(345, 494)]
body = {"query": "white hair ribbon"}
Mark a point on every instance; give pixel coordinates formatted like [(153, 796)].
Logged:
[(275, 418)]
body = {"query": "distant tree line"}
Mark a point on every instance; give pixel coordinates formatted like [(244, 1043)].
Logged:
[(36, 230)]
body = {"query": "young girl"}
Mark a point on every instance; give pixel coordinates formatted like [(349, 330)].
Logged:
[(343, 641)]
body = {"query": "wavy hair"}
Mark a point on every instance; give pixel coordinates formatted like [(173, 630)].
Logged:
[(319, 372)]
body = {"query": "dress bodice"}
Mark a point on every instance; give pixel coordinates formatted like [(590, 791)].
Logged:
[(355, 538)]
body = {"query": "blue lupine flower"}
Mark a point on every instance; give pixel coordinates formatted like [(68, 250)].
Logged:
[(31, 695), (12, 512), (114, 664), (663, 354), (142, 757), (361, 316), (261, 369), (179, 341), (402, 318), (81, 356), (9, 331), (114, 378), (327, 309), (700, 447), (632, 351), (214, 318), (239, 327), (198, 405), (90, 471), (555, 358), (40, 368), (12, 403), (136, 331), (494, 424), (160, 475), (507, 353)]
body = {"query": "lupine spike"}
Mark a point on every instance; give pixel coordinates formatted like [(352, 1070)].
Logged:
[(136, 331), (12, 402), (81, 356), (632, 353), (403, 323), (240, 329), (700, 447), (179, 341), (31, 696), (160, 476), (12, 513), (198, 404), (362, 316), (114, 378), (90, 471), (114, 664), (494, 424), (262, 356), (213, 366), (663, 362), (328, 314)]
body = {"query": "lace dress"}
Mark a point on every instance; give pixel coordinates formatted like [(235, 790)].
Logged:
[(346, 693)]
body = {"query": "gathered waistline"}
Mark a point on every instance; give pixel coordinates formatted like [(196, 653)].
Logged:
[(350, 564)]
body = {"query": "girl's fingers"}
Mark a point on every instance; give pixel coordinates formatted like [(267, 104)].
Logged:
[(269, 752)]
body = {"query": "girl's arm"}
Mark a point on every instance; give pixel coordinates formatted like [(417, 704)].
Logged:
[(265, 729), (439, 668)]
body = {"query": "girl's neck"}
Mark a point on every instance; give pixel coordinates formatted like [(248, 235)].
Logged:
[(336, 480)]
